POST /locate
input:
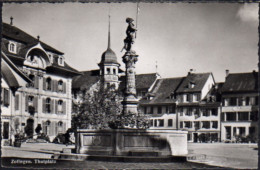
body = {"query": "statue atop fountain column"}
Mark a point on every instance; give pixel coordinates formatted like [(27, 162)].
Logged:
[(130, 35), (130, 58)]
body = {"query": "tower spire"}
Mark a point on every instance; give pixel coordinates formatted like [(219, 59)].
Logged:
[(108, 45)]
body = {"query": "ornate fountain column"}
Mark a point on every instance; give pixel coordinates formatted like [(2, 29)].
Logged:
[(130, 58)]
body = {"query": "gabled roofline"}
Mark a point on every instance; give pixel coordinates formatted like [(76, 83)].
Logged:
[(14, 67)]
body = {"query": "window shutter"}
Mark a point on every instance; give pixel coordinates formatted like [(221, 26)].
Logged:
[(55, 86), (64, 87), (36, 82), (26, 103), (52, 128), (52, 85), (64, 127), (43, 105), (56, 128), (43, 127), (6, 97), (44, 83), (17, 102), (64, 107), (52, 106), (35, 103), (56, 106)]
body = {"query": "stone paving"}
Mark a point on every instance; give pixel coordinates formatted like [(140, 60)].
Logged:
[(31, 154), (238, 156), (204, 155)]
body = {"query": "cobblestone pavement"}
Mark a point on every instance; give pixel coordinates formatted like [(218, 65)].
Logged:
[(32, 155), (238, 156)]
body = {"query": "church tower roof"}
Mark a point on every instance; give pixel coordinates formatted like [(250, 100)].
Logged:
[(109, 56)]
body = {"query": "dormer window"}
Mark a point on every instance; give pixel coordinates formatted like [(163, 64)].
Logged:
[(60, 86), (191, 85), (61, 61), (50, 57), (12, 47)]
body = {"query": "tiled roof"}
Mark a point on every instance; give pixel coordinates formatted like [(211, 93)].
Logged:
[(143, 81), (17, 34), (162, 90), (198, 79), (241, 82), (108, 56), (86, 80)]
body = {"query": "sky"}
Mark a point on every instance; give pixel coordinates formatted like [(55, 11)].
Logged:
[(206, 37)]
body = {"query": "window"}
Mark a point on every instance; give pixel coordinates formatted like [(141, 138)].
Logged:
[(151, 110), (12, 47), (108, 70), (189, 112), (60, 61), (206, 124), (240, 101), (114, 71), (256, 100), (254, 116), (48, 83), (161, 122), (215, 124), (231, 116), (155, 123), (166, 109), (181, 124), (32, 77), (197, 112), (172, 109), (204, 112), (48, 105), (243, 116), (151, 123), (159, 109), (187, 97), (214, 112), (169, 122), (251, 130), (143, 93), (60, 86), (145, 110), (233, 101), (60, 127), (60, 110), (47, 127), (197, 125), (188, 124), (247, 101), (30, 100)]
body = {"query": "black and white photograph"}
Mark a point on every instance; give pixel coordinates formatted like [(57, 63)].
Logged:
[(129, 85)]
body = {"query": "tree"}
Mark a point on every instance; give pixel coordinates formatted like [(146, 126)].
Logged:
[(102, 109), (97, 108)]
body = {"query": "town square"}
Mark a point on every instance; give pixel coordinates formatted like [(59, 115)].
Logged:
[(129, 85)]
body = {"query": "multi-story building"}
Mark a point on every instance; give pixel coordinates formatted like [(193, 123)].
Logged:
[(160, 103), (46, 102), (239, 106), (196, 114), (12, 79)]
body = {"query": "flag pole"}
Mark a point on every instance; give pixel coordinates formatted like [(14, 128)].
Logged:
[(137, 11)]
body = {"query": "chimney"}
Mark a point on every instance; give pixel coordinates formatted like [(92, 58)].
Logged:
[(190, 72), (11, 20), (227, 72)]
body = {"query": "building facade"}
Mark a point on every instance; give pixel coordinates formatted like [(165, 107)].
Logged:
[(46, 101), (239, 117)]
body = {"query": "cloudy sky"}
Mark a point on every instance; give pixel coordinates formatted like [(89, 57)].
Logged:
[(207, 37)]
